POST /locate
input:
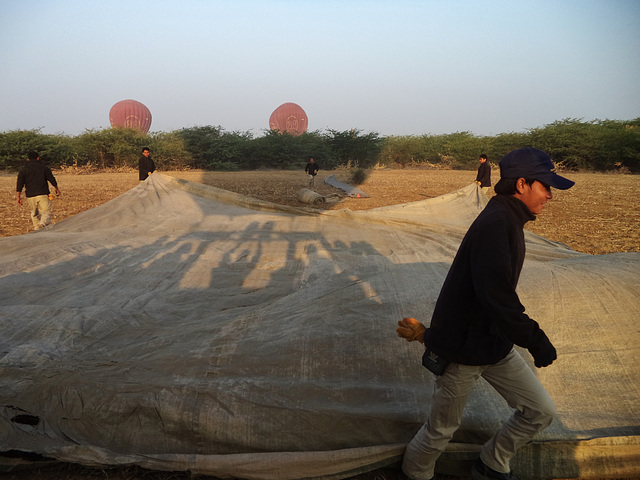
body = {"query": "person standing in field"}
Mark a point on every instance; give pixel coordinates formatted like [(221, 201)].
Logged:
[(477, 320), (146, 166), (484, 174), (35, 177), (312, 169)]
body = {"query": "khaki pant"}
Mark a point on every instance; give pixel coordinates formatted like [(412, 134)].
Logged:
[(41, 208), (513, 379)]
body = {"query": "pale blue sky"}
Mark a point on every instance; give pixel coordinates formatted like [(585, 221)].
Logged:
[(392, 67)]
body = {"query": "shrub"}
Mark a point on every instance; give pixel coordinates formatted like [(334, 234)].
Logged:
[(358, 176)]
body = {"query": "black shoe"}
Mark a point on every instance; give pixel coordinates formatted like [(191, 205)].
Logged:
[(480, 471)]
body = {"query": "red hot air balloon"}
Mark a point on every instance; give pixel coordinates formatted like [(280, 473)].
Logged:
[(130, 114), (290, 118)]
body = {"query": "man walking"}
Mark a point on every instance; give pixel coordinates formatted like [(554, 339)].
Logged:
[(477, 320), (312, 169), (34, 176)]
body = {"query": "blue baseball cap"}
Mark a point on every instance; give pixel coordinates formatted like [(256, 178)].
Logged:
[(533, 164)]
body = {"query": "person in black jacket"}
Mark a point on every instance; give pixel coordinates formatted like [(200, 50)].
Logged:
[(34, 177), (477, 320), (483, 178), (312, 169), (146, 166)]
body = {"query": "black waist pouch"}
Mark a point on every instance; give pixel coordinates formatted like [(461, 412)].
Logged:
[(433, 362)]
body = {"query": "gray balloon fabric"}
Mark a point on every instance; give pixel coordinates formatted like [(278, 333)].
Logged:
[(350, 190), (183, 327)]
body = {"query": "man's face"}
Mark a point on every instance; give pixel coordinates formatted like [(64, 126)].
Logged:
[(482, 160), (534, 196), (145, 153)]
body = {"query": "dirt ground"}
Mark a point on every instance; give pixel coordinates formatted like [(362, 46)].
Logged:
[(600, 214)]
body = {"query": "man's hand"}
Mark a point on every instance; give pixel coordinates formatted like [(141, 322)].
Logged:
[(19, 198), (545, 357), (411, 329)]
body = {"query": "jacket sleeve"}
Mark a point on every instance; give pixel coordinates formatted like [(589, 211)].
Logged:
[(495, 278), (21, 180), (50, 177)]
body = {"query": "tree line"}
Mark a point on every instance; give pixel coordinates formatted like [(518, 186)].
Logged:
[(609, 145)]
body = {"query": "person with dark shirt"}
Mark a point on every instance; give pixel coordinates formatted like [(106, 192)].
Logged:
[(35, 177), (477, 320), (312, 169), (146, 166), (483, 179)]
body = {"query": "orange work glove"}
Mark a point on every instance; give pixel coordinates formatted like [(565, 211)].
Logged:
[(411, 329)]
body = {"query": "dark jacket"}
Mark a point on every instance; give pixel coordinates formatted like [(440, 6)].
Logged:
[(35, 175), (484, 175), (145, 166), (312, 168), (478, 315)]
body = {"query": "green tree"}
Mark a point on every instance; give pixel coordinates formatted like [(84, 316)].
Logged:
[(401, 150), (54, 150), (110, 148), (168, 151), (212, 148), (464, 148), (619, 146), (602, 145), (281, 150), (351, 147), (568, 142), (503, 143), (456, 150)]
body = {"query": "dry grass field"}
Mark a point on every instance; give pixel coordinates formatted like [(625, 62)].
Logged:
[(600, 214)]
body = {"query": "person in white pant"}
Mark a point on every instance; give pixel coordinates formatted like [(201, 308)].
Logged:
[(312, 169), (33, 176), (477, 320)]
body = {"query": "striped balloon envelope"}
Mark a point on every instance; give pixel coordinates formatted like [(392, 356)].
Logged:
[(290, 118), (130, 114)]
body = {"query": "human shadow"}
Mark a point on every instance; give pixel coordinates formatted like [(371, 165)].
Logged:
[(232, 333)]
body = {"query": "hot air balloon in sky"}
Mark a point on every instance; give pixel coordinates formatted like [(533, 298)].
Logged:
[(290, 118), (130, 114)]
